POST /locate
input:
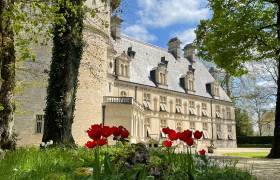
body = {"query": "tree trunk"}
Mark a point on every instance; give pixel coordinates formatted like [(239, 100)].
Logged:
[(275, 150), (7, 65), (66, 57), (227, 82)]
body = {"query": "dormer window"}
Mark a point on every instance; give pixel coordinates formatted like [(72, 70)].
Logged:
[(187, 81), (213, 89), (122, 65), (162, 78)]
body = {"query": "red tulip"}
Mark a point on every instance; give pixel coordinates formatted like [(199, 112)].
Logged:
[(188, 133), (180, 136), (94, 132), (106, 131), (189, 141), (90, 144), (167, 143), (172, 135), (102, 142), (116, 131), (202, 152), (124, 133), (197, 134), (166, 130)]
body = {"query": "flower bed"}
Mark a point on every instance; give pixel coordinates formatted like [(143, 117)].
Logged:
[(121, 161)]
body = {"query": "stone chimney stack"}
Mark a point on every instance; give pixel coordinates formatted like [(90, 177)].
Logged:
[(189, 52), (174, 47), (116, 27)]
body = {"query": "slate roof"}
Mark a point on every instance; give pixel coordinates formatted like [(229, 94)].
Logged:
[(149, 56)]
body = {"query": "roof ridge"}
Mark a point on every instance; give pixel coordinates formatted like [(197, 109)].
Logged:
[(144, 43)]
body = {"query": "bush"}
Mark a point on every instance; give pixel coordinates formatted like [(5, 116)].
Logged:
[(254, 145), (254, 139)]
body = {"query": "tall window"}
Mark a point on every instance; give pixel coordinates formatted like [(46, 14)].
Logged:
[(162, 78), (178, 106), (39, 123), (192, 108), (147, 101), (216, 90), (204, 109), (179, 126), (190, 81), (228, 113), (192, 125), (147, 127), (205, 130), (163, 103), (218, 111), (191, 85), (229, 129), (123, 94)]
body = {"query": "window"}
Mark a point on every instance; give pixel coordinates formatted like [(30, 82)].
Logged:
[(205, 126), (178, 106), (228, 113), (122, 70), (190, 81), (218, 112), (204, 109), (125, 70), (205, 131), (216, 90), (179, 126), (147, 101), (147, 126), (123, 94), (163, 103), (39, 123), (110, 87), (192, 108), (192, 125), (162, 78), (191, 86), (229, 128), (219, 132)]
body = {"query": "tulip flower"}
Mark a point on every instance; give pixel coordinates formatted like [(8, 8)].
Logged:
[(202, 152), (167, 143), (198, 134)]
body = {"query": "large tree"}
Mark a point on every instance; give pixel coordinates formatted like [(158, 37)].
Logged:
[(7, 68), (242, 31), (66, 57)]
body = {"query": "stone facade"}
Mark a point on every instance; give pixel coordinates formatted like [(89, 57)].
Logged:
[(134, 84)]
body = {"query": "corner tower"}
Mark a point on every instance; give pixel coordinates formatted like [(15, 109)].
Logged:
[(93, 70)]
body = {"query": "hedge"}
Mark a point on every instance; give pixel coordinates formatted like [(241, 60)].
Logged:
[(255, 140)]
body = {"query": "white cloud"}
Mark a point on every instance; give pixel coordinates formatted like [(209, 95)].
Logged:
[(139, 32), (163, 13), (187, 36)]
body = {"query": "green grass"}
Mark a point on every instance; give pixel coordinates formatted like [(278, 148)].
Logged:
[(248, 154), (68, 164)]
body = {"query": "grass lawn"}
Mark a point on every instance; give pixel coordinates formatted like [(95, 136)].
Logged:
[(73, 164), (248, 154)]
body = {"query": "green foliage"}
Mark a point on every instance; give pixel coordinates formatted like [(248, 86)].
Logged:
[(238, 32), (244, 126)]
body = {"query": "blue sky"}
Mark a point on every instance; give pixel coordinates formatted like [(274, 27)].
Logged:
[(157, 21)]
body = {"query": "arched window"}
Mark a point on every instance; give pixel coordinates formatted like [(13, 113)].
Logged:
[(126, 70), (123, 94)]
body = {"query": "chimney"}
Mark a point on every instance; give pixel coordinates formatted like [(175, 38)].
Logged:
[(189, 52), (174, 47), (116, 27)]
